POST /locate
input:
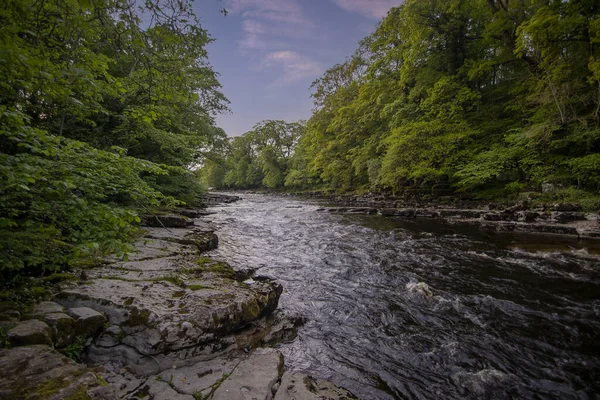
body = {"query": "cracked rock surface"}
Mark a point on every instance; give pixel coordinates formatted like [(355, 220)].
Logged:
[(167, 323)]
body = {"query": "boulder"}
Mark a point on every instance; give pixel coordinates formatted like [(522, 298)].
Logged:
[(564, 217), (87, 320), (29, 333), (63, 328), (40, 373), (253, 378), (296, 386)]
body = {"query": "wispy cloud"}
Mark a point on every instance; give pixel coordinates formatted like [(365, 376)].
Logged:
[(295, 66), (271, 28), (369, 8)]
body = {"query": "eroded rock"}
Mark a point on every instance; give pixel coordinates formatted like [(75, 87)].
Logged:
[(87, 320), (30, 332), (40, 373), (63, 328), (253, 378)]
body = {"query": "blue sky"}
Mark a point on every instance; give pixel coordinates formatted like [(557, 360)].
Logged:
[(268, 52)]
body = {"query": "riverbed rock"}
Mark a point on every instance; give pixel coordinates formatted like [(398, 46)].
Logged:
[(30, 332), (297, 386), (253, 378), (564, 217), (40, 373)]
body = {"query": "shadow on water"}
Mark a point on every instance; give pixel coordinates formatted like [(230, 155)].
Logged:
[(423, 309)]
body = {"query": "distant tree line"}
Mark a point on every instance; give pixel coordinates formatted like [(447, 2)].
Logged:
[(487, 98)]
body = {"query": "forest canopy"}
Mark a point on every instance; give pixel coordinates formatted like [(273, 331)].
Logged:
[(104, 107), (488, 98)]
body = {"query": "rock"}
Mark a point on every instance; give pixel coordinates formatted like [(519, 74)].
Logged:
[(164, 317), (528, 216), (158, 390), (419, 289), (190, 213), (30, 332), (40, 373), (405, 213), (47, 307), (296, 386), (204, 241), (564, 217), (168, 221), (63, 328), (566, 207), (111, 337), (253, 378), (461, 213), (87, 320)]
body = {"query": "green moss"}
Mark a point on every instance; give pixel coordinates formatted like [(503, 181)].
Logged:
[(204, 260), (5, 295), (48, 388), (250, 310), (181, 293), (222, 269), (128, 302), (101, 380), (80, 394), (60, 277)]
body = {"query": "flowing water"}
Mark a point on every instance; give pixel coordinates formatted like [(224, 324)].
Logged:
[(423, 310)]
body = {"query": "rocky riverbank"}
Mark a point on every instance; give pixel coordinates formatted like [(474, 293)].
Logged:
[(562, 219), (167, 323)]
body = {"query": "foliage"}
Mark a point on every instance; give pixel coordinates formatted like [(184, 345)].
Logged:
[(102, 115), (260, 157), (483, 98), (75, 350)]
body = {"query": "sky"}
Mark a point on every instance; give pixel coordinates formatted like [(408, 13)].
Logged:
[(268, 52)]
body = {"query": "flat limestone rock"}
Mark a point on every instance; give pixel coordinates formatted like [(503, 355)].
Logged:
[(158, 390), (296, 386), (253, 378), (40, 373), (161, 316), (47, 307), (29, 333)]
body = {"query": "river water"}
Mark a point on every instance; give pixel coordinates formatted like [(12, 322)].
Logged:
[(423, 310)]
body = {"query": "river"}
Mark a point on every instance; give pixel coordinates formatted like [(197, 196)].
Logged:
[(420, 309)]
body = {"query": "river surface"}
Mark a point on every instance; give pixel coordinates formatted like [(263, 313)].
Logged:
[(423, 310)]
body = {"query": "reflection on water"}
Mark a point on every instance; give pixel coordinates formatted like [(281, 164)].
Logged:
[(420, 309)]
